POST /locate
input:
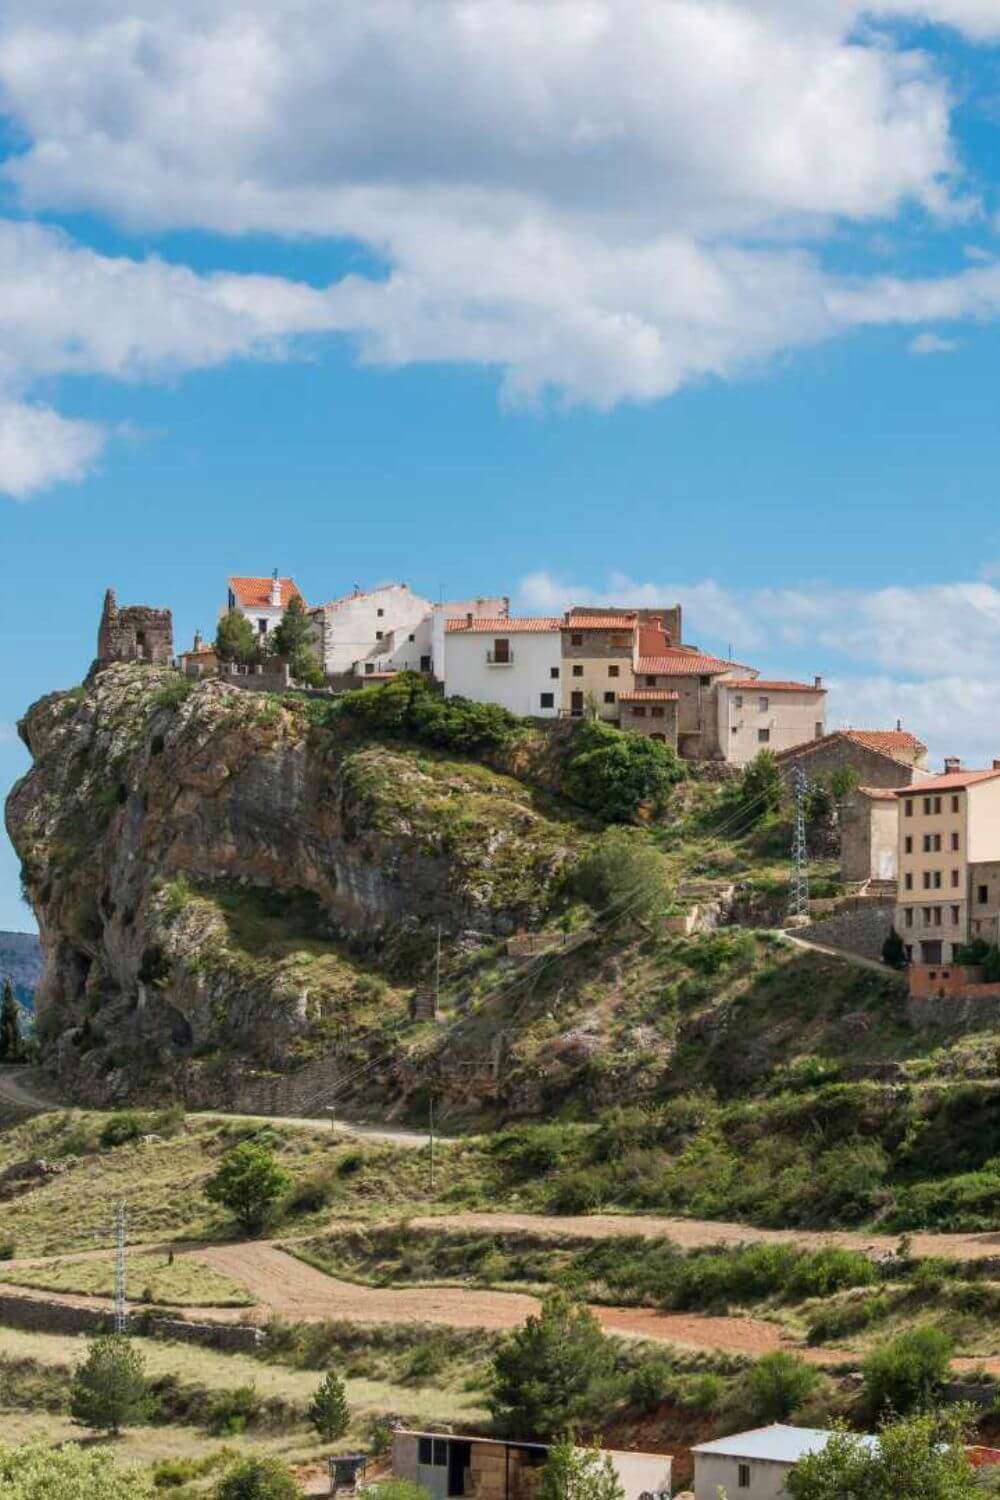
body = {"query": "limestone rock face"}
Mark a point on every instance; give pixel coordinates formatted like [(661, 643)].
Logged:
[(215, 876)]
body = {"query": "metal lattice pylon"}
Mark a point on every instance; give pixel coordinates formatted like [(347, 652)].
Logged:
[(121, 1311), (798, 896)]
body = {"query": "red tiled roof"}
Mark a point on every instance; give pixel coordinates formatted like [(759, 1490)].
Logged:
[(952, 781), (255, 593), (574, 621), (502, 625), (878, 793), (680, 662), (776, 686), (648, 695), (896, 744)]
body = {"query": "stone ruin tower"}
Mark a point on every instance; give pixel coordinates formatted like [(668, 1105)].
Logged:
[(136, 633)]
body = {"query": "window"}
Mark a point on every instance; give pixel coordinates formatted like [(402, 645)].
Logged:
[(927, 916), (638, 711), (937, 804), (819, 730), (937, 843), (576, 640), (554, 672), (954, 841), (927, 806), (577, 671), (908, 916), (501, 649), (369, 668), (650, 681), (908, 804), (412, 637), (380, 613), (657, 711), (908, 881), (737, 700), (954, 877), (432, 1451), (954, 916), (937, 916), (763, 704), (612, 671), (927, 843), (954, 803), (609, 697), (705, 681), (379, 635), (548, 700), (763, 736), (908, 844), (937, 880), (908, 950), (425, 664), (262, 627), (927, 880), (743, 1477), (982, 894)]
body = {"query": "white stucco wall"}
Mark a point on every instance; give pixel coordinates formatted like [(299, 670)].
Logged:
[(790, 719), (481, 608), (350, 627), (519, 686), (642, 1473), (712, 1471)]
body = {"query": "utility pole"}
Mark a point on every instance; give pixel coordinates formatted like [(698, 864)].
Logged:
[(431, 1120), (121, 1312), (798, 895), (437, 974)]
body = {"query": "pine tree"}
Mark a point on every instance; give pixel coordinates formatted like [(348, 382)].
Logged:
[(328, 1410), (11, 1047), (109, 1388)]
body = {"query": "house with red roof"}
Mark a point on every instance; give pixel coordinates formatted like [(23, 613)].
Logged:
[(262, 600)]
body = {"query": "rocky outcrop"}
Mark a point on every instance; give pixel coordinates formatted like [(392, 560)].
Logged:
[(218, 880)]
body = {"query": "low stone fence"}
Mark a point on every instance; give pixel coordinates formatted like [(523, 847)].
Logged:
[(860, 926), (39, 1315)]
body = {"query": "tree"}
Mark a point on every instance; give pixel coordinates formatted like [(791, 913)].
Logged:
[(777, 1384), (613, 773), (328, 1410), (906, 1373), (920, 1459), (234, 638), (623, 870), (258, 1479), (761, 787), (843, 781), (36, 1471), (292, 640), (894, 951), (578, 1474), (555, 1371), (109, 1389), (249, 1181), (11, 1045)]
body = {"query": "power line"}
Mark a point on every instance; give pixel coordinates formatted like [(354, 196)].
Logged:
[(121, 1308), (798, 895)]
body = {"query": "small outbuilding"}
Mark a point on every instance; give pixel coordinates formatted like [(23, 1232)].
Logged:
[(754, 1465), (484, 1468)]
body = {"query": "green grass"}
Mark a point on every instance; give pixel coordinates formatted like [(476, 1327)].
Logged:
[(188, 1282)]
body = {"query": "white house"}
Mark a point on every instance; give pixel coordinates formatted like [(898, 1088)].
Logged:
[(754, 1465), (513, 661), (370, 631), (262, 600)]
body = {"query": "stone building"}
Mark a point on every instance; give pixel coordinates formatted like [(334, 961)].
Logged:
[(652, 712), (136, 633), (880, 757), (869, 836), (597, 653)]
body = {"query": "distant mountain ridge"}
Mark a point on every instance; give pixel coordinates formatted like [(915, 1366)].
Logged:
[(21, 959)]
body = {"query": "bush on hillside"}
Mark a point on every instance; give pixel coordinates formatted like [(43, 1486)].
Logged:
[(776, 1385), (235, 640), (624, 872), (613, 773), (906, 1374), (760, 785), (258, 1479), (249, 1182), (410, 707), (555, 1373), (109, 1387), (37, 1471)]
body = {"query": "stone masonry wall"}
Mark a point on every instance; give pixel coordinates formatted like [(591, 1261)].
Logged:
[(822, 759), (39, 1315), (860, 930)]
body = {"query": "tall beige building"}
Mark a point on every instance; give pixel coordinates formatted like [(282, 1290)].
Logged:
[(949, 863)]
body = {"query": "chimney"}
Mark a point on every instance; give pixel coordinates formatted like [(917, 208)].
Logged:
[(817, 682), (468, 619), (952, 763), (996, 764), (197, 641), (275, 590), (899, 726)]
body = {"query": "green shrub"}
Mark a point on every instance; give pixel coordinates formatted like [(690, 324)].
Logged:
[(410, 707), (614, 774), (760, 786), (173, 693), (258, 1479), (122, 1127), (623, 871), (232, 1411), (249, 1182), (328, 1410), (776, 1384), (906, 1374), (8, 1249)]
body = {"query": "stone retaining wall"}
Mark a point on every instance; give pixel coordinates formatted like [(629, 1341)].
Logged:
[(39, 1315), (970, 1013), (861, 929)]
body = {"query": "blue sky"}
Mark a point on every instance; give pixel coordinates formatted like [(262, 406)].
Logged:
[(565, 301)]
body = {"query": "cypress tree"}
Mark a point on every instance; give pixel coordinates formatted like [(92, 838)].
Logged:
[(10, 1026)]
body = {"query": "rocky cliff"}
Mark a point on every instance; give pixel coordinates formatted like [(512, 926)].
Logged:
[(222, 883)]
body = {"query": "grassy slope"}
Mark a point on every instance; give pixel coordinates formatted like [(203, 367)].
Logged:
[(185, 1283)]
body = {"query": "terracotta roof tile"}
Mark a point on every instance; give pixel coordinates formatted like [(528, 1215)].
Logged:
[(574, 621), (255, 593), (502, 625), (680, 662), (952, 781), (775, 685), (896, 744), (648, 695)]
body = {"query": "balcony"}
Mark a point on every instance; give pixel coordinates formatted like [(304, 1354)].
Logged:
[(499, 658)]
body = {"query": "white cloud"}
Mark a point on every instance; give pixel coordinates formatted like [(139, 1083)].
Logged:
[(8, 734), (38, 448), (931, 343), (602, 199), (953, 715)]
